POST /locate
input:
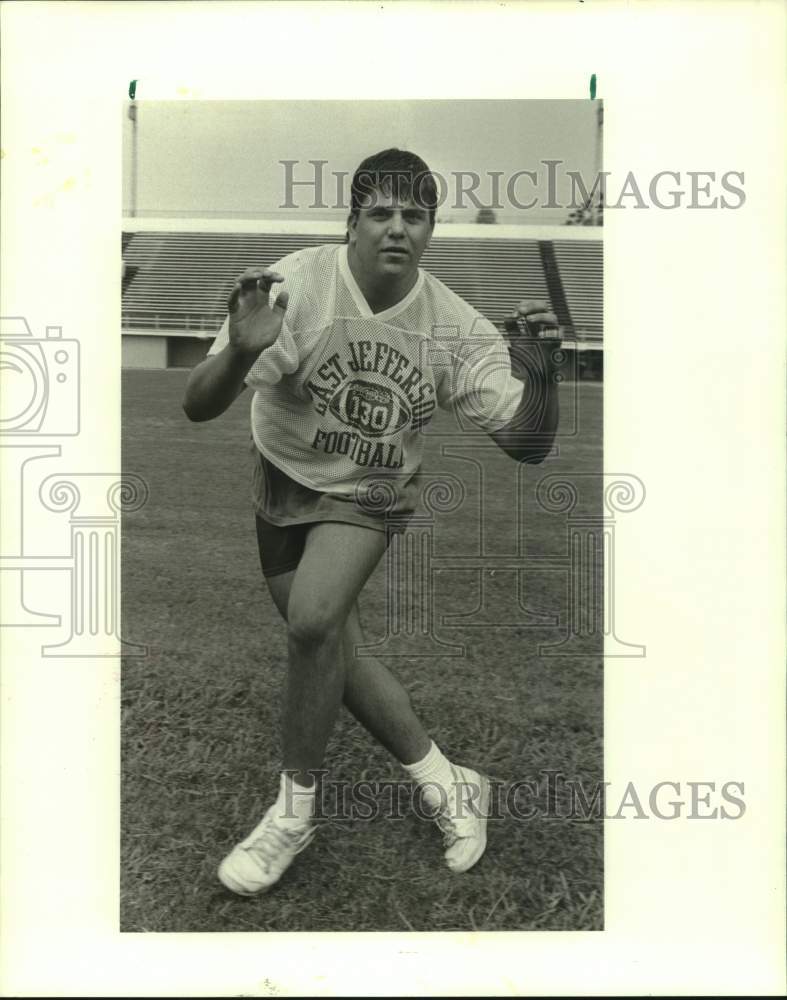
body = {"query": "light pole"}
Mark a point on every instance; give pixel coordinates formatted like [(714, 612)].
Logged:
[(596, 208), (132, 114)]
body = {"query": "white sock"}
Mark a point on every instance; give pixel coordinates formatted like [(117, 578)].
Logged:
[(434, 776), (295, 803)]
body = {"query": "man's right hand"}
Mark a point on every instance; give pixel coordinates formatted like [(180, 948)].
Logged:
[(254, 324)]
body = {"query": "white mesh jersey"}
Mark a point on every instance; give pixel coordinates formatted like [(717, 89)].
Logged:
[(344, 392)]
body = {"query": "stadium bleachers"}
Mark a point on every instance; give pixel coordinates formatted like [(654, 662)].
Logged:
[(581, 268), (176, 283)]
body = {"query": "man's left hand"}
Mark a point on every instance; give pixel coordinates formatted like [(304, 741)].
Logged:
[(533, 320)]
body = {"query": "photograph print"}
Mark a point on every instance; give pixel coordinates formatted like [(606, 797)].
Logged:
[(362, 348)]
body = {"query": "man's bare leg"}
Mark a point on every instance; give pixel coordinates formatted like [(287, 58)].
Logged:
[(379, 702), (336, 563), (371, 692), (318, 601)]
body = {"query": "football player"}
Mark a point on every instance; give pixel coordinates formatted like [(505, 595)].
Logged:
[(345, 349)]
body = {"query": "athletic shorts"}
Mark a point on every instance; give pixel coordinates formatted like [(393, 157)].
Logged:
[(285, 511)]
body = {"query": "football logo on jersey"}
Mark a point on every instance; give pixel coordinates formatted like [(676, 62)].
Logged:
[(375, 410)]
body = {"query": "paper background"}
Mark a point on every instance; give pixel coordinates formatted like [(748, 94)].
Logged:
[(694, 398)]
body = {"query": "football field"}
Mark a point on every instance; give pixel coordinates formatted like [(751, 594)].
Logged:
[(200, 747)]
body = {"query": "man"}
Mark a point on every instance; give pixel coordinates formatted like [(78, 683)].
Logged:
[(347, 367)]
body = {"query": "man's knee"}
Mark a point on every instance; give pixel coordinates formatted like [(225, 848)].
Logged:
[(314, 626)]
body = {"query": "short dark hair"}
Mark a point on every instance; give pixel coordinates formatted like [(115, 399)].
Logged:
[(397, 170)]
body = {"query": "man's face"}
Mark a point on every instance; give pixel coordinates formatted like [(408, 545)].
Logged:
[(389, 234)]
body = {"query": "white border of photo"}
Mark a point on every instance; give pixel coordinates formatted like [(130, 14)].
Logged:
[(694, 407)]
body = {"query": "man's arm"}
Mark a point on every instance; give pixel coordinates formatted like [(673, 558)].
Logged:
[(253, 326), (216, 383), (529, 435)]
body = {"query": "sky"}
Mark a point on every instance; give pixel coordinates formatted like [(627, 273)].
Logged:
[(224, 158)]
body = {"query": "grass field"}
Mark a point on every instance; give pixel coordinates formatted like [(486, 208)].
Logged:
[(201, 711)]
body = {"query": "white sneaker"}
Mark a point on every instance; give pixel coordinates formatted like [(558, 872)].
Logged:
[(462, 820), (261, 859)]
